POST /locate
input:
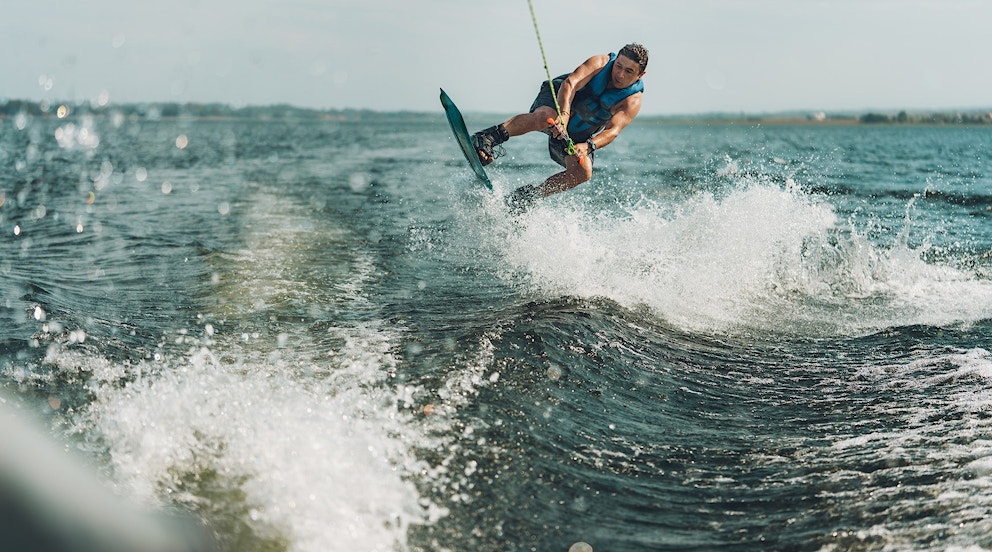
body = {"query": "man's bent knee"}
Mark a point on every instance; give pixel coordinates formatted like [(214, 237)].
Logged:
[(577, 174), (581, 171)]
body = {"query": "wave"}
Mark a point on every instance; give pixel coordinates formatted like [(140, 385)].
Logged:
[(757, 256), (571, 396)]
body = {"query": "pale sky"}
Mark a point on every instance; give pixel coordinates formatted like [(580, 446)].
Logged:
[(706, 55)]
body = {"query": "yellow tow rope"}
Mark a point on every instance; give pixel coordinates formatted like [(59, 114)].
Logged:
[(570, 148)]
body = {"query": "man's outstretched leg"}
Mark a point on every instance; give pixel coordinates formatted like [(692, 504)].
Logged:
[(486, 142)]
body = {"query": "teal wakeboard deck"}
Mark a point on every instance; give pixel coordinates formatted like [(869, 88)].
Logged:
[(461, 136)]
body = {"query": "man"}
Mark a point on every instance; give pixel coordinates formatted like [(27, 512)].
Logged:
[(597, 100)]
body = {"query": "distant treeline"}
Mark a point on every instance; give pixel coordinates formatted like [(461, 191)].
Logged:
[(973, 117), (957, 118), (175, 110)]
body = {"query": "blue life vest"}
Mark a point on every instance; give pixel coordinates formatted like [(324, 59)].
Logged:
[(593, 102)]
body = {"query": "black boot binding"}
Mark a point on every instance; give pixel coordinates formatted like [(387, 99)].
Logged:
[(488, 142)]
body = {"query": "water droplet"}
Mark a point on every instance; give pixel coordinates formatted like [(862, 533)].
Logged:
[(358, 181)]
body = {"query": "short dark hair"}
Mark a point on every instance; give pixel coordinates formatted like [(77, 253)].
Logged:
[(637, 53)]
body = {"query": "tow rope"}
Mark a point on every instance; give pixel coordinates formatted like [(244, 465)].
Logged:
[(570, 146)]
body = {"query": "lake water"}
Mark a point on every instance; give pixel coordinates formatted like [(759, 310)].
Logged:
[(327, 335)]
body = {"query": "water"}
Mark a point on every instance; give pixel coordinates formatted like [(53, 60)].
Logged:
[(325, 335)]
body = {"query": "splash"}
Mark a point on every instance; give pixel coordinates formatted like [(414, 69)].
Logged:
[(761, 256), (307, 461), (290, 435)]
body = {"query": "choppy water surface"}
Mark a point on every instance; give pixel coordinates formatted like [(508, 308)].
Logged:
[(326, 336)]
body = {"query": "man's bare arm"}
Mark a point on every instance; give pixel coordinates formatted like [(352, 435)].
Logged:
[(576, 80), (623, 114)]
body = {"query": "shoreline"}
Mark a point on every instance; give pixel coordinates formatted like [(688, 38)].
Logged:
[(152, 111)]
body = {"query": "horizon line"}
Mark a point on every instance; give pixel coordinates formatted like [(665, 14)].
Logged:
[(45, 106)]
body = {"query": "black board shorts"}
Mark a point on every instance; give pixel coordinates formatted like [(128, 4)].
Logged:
[(556, 147)]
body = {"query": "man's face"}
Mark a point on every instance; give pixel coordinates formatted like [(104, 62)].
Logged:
[(625, 72)]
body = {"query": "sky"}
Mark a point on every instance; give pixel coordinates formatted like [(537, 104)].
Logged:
[(753, 56)]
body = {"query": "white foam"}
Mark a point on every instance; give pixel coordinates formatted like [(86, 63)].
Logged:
[(762, 256), (323, 462), (299, 434)]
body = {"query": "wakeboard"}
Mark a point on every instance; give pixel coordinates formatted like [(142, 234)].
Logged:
[(462, 137)]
